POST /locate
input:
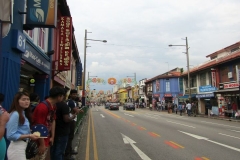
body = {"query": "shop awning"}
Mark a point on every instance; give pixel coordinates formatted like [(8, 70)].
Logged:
[(227, 90), (187, 96)]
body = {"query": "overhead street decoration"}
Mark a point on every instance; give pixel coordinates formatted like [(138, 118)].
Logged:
[(127, 80), (96, 80), (112, 81)]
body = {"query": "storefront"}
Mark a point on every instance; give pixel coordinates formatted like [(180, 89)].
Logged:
[(227, 95), (206, 94), (35, 71)]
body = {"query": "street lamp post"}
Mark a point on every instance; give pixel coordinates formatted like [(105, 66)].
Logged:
[(85, 50), (187, 54)]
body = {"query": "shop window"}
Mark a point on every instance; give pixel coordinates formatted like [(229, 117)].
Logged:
[(167, 86), (41, 37), (193, 82), (203, 79)]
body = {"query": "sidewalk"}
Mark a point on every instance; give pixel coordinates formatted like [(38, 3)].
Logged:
[(202, 115)]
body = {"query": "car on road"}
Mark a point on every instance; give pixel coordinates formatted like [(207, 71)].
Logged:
[(107, 105), (114, 106), (129, 106)]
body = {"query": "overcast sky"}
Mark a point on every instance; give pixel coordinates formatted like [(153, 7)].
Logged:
[(138, 33)]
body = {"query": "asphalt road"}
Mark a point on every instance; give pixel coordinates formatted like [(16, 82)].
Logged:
[(145, 134)]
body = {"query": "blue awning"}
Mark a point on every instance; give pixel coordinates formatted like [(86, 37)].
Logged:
[(186, 96)]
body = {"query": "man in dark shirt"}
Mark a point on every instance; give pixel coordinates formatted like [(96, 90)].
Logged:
[(73, 106), (62, 130)]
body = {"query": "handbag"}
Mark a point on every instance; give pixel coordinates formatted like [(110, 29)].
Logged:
[(31, 149)]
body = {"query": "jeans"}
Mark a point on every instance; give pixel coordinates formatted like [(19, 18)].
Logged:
[(69, 148), (58, 148), (189, 112)]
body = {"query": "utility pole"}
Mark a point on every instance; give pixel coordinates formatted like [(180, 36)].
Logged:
[(84, 80), (187, 54)]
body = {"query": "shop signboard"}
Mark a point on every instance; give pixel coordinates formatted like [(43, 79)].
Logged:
[(168, 95), (207, 88), (79, 74), (19, 41), (156, 95), (228, 85), (42, 13), (36, 59), (213, 73), (205, 95), (65, 43)]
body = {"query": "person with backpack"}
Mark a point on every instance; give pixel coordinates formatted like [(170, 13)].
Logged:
[(44, 114), (18, 127), (34, 101), (73, 107)]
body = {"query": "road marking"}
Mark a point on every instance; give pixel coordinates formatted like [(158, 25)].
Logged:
[(154, 134), (134, 124), (206, 139), (129, 115), (142, 128), (181, 124), (151, 117), (95, 151), (234, 131), (220, 124), (171, 144), (116, 116), (88, 140), (228, 135), (128, 140), (102, 116), (202, 158), (176, 144)]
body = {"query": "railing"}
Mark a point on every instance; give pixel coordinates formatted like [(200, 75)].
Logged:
[(80, 118)]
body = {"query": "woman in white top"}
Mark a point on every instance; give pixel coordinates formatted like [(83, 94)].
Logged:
[(18, 127)]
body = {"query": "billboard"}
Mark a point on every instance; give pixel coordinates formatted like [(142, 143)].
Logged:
[(65, 43), (42, 13)]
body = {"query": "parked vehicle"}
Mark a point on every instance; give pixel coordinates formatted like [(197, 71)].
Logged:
[(129, 106), (114, 106)]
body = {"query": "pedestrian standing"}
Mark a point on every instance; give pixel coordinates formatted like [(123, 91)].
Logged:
[(194, 109), (62, 130), (4, 117), (45, 114), (189, 107), (73, 107), (18, 127)]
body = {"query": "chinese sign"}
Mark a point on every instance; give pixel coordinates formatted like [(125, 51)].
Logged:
[(65, 43), (157, 85), (207, 88), (79, 74), (213, 73)]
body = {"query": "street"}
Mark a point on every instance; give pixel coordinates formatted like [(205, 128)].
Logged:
[(152, 135)]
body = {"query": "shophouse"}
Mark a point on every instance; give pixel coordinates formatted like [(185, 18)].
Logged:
[(129, 93), (66, 66), (25, 62), (148, 91), (216, 80), (141, 92), (115, 95), (165, 87), (122, 92)]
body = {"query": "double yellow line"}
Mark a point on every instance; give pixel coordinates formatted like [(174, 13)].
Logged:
[(90, 119)]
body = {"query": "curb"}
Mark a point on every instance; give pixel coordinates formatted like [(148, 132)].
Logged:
[(79, 133)]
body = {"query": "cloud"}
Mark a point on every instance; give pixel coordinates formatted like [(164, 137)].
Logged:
[(139, 32)]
